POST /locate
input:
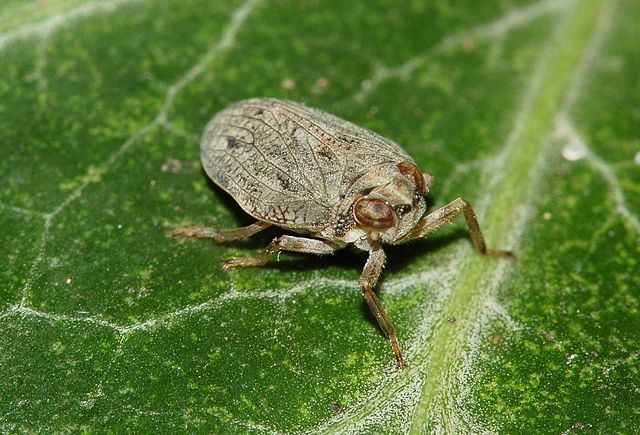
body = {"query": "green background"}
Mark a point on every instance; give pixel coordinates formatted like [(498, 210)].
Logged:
[(528, 109)]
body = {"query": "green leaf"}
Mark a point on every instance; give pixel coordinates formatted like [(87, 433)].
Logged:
[(528, 109)]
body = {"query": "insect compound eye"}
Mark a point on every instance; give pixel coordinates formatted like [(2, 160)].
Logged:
[(374, 213), (411, 171)]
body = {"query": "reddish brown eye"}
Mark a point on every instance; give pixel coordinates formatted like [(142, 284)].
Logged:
[(374, 213), (410, 170)]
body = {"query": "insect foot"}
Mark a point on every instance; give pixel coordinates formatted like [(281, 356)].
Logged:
[(330, 181), (195, 232), (239, 262)]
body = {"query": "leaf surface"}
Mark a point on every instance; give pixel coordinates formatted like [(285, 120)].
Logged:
[(528, 109)]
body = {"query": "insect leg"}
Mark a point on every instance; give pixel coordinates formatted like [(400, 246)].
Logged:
[(220, 236), (449, 212), (368, 280), (284, 243)]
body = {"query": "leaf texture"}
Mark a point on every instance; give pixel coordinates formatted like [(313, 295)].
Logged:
[(528, 109)]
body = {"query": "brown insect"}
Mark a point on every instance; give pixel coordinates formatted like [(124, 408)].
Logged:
[(309, 172)]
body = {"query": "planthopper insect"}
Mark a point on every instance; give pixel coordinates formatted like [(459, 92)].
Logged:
[(332, 182)]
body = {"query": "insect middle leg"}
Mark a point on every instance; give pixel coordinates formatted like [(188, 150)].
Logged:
[(221, 236), (284, 243), (368, 279), (449, 212)]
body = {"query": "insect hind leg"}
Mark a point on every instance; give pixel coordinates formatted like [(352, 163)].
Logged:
[(220, 236), (283, 243), (449, 212)]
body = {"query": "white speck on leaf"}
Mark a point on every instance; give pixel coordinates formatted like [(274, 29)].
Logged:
[(289, 84), (573, 151), (320, 85), (172, 165)]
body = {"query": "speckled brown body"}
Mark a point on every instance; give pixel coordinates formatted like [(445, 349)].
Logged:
[(313, 173), (301, 168)]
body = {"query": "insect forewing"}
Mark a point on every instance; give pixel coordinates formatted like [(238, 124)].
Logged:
[(286, 163)]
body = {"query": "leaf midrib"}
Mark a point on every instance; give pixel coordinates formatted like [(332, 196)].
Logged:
[(513, 184)]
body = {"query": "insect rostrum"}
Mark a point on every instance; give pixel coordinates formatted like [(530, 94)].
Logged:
[(332, 182)]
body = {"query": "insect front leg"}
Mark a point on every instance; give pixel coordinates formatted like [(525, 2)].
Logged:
[(368, 279), (449, 212), (284, 243), (220, 236)]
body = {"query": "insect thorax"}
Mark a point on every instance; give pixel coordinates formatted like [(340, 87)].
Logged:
[(381, 205)]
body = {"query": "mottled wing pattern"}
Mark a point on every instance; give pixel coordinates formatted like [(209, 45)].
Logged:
[(363, 145), (250, 151), (286, 163), (363, 149)]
